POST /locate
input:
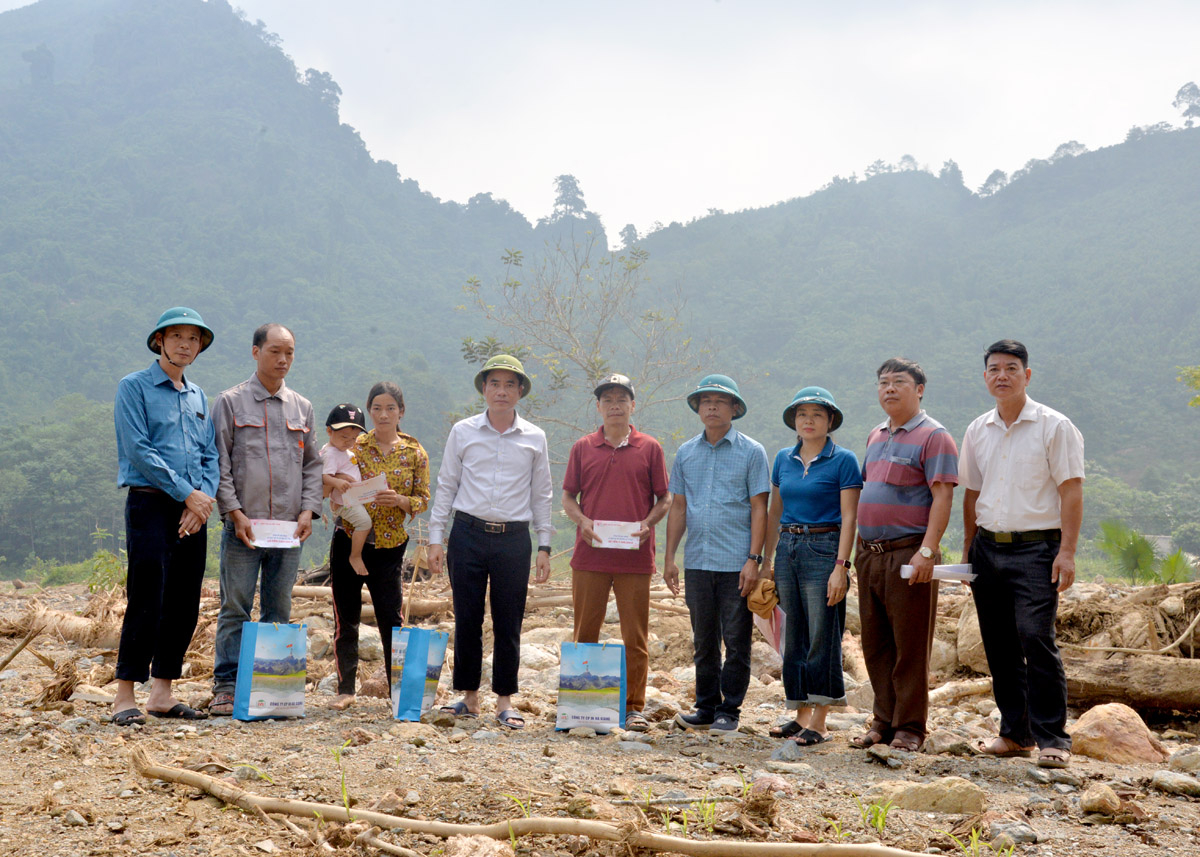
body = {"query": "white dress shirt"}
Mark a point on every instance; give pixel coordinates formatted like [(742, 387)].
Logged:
[(1017, 469), (494, 476)]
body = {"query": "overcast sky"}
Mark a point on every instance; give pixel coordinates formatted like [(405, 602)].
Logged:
[(663, 110)]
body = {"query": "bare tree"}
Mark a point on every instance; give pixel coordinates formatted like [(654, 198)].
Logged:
[(577, 314)]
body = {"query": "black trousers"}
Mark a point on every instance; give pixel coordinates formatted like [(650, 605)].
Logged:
[(474, 558), (719, 615), (1017, 603), (383, 582), (162, 588)]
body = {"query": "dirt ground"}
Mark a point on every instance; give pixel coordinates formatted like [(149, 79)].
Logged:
[(69, 787)]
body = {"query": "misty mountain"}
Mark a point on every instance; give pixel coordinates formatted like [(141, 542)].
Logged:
[(163, 153)]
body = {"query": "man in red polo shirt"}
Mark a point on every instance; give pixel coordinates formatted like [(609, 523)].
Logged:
[(616, 474)]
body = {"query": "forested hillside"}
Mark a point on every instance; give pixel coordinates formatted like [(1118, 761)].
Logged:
[(162, 153)]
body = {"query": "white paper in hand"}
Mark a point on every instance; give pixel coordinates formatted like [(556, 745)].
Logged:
[(960, 572), (364, 492), (621, 535), (274, 534)]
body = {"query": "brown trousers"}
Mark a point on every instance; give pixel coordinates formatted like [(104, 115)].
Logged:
[(897, 636), (589, 592)]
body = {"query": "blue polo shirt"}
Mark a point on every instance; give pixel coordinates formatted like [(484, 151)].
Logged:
[(717, 481), (813, 496), (165, 437)]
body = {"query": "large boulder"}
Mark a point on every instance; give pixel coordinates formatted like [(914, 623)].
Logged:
[(370, 646), (1115, 733), (764, 660), (952, 795), (970, 642)]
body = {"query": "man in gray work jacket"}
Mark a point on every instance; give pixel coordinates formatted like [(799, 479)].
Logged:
[(270, 469)]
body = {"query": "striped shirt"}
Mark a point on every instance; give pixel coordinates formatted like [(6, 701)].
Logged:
[(899, 468), (717, 481)]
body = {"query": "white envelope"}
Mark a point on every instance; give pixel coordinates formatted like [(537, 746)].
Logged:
[(960, 572), (621, 535), (364, 492), (274, 534)]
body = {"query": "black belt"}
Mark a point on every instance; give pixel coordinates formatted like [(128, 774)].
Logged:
[(146, 489), (1024, 536), (491, 526), (808, 529), (885, 545)]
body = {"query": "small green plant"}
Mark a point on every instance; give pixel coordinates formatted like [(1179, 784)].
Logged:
[(836, 827), (745, 783), (706, 813), (666, 819), (512, 837), (524, 805), (649, 797), (337, 755), (683, 817), (973, 846), (874, 816), (108, 568)]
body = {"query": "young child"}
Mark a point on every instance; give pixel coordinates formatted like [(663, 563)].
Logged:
[(343, 425)]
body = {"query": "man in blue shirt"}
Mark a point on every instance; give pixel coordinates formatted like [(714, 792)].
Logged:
[(719, 485), (167, 458)]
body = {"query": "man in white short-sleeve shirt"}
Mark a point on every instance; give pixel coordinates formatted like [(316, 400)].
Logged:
[(1022, 466)]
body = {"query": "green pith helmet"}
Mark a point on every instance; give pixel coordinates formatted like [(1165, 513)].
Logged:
[(813, 396), (509, 363), (718, 384), (176, 316)]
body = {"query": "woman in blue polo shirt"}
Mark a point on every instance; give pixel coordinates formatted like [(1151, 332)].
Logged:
[(810, 532)]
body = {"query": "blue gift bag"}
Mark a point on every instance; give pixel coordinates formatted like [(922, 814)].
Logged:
[(417, 658), (591, 686), (272, 669)]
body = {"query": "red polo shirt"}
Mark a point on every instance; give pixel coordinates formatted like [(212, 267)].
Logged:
[(616, 484)]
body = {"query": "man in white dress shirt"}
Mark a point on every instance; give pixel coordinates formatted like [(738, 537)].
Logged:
[(495, 480), (1022, 466)]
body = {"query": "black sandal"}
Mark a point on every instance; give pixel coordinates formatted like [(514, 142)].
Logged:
[(787, 730)]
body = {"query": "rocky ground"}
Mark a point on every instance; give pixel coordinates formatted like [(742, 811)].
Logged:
[(69, 787)]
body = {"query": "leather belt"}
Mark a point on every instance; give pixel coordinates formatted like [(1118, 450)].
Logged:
[(886, 545), (146, 489), (493, 527), (806, 529), (1024, 536)]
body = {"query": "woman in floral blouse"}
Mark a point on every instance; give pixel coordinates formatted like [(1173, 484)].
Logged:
[(405, 465)]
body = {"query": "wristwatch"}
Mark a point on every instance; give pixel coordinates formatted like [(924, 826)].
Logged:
[(544, 548), (757, 557), (844, 563), (926, 552)]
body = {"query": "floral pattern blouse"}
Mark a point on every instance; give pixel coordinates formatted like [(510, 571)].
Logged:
[(406, 469)]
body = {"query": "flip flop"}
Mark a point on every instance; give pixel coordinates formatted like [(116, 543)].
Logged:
[(868, 739), (810, 738), (221, 705), (510, 718), (128, 717), (1012, 750), (1053, 757), (459, 709), (787, 730), (179, 711)]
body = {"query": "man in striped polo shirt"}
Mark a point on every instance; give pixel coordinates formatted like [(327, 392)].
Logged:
[(909, 474)]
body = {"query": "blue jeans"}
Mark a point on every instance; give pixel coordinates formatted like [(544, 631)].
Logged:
[(812, 643), (719, 615), (240, 566)]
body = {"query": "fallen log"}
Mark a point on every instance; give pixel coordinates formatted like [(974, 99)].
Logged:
[(421, 607), (627, 834), (951, 692), (103, 632), (1143, 682)]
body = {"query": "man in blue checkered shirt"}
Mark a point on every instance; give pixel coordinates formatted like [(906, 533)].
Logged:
[(719, 485)]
